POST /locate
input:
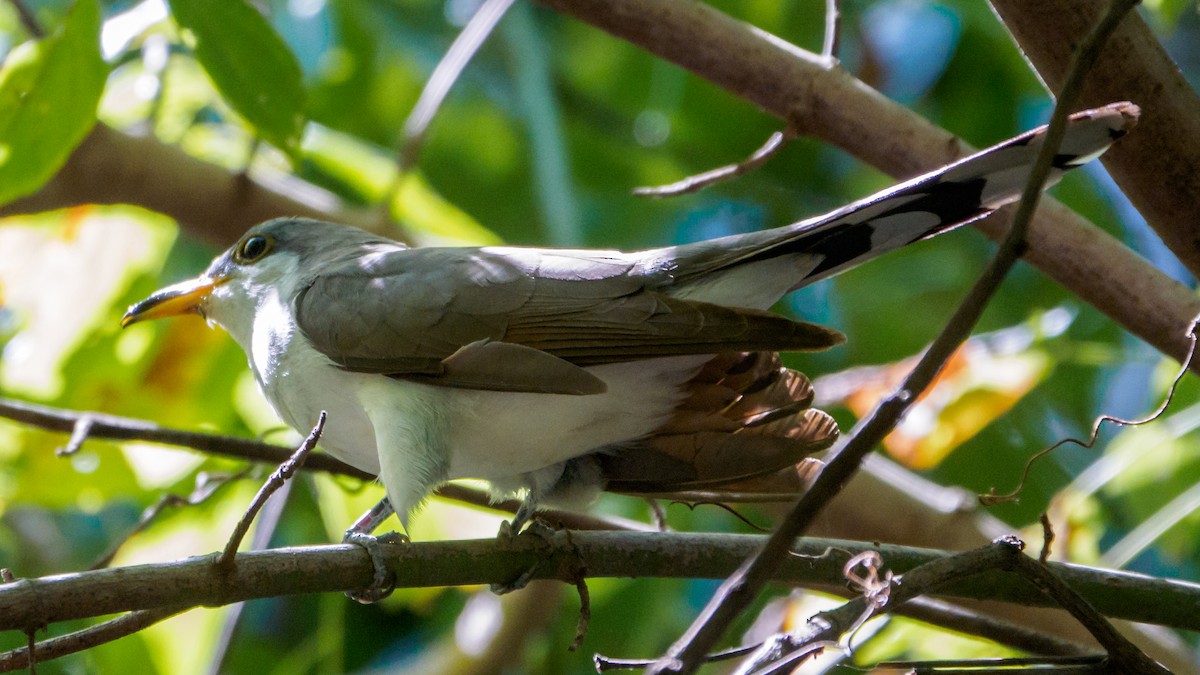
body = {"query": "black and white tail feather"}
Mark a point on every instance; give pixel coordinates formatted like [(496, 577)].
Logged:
[(956, 194), (917, 209), (746, 423)]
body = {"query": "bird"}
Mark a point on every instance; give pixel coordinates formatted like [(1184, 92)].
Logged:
[(554, 374)]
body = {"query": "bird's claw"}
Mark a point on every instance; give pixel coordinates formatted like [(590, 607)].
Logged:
[(382, 582), (535, 528)]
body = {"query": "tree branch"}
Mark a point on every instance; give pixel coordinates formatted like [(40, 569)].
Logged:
[(1158, 168), (835, 107), (116, 428), (88, 638), (736, 593), (317, 569), (212, 203)]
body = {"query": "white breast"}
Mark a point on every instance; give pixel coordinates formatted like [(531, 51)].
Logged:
[(428, 434), (498, 435), (300, 382)]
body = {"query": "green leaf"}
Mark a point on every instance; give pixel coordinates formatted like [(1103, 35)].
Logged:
[(249, 63), (49, 90), (1169, 11)]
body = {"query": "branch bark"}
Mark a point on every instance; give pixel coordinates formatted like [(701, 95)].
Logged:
[(210, 202), (26, 603), (1159, 167), (835, 107)]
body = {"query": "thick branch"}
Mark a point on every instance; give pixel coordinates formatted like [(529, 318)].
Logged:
[(835, 107), (112, 167), (1159, 166), (315, 569)]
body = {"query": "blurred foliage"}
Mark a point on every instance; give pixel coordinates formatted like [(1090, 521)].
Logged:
[(544, 89)]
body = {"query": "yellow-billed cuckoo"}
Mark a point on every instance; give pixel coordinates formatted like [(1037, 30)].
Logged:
[(557, 373)]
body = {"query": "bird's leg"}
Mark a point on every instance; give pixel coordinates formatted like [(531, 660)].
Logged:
[(523, 516), (359, 534), (524, 522)]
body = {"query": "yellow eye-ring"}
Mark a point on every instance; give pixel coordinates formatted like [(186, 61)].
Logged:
[(252, 249)]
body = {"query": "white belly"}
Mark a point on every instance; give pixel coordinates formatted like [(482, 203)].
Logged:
[(416, 435), (499, 435), (300, 382)]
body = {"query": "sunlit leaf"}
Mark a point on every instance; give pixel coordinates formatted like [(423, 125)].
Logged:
[(249, 63), (49, 91), (976, 386), (61, 273)]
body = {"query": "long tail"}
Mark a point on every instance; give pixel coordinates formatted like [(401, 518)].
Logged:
[(916, 209)]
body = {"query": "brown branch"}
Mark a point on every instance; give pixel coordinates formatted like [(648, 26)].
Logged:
[(275, 481), (740, 589), (833, 106), (112, 167), (83, 640), (28, 19), (777, 142), (336, 568), (116, 428), (1159, 167), (1004, 554), (1007, 633), (1123, 656)]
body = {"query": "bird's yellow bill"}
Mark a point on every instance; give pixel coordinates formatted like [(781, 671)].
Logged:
[(182, 298)]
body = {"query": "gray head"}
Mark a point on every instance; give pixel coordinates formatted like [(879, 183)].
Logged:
[(271, 262)]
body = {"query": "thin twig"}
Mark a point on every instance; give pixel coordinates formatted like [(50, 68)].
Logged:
[(31, 655), (1124, 656), (739, 590), (1047, 537), (833, 32), (274, 482), (604, 663), (963, 620), (785, 652), (111, 427), (206, 487), (778, 141), (1005, 553), (115, 428), (83, 640), (443, 77), (83, 428), (585, 612), (693, 505), (925, 609), (28, 19), (991, 498), (978, 665)]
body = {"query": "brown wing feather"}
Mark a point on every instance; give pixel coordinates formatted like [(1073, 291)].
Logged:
[(746, 416)]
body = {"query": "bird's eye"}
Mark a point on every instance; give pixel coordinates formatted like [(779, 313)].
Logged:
[(252, 248)]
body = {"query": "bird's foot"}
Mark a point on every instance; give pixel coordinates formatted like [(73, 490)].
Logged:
[(523, 517), (382, 582), (535, 528)]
